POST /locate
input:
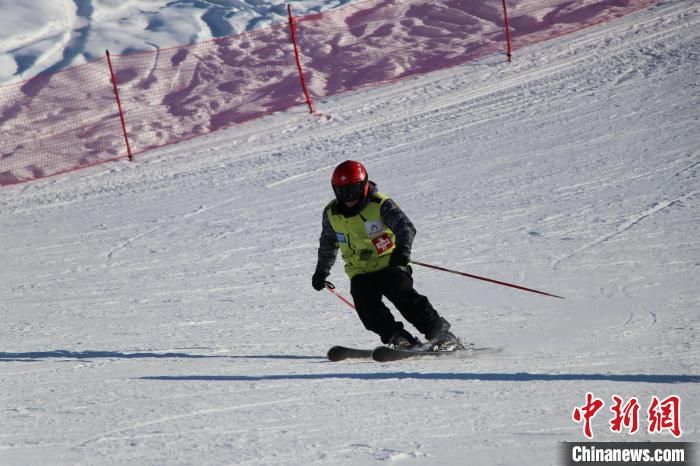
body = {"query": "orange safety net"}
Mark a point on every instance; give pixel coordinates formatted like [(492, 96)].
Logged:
[(67, 120)]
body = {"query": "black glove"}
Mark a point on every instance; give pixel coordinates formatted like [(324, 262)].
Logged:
[(398, 259), (318, 281)]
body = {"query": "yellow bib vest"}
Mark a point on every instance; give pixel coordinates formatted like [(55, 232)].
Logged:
[(364, 241)]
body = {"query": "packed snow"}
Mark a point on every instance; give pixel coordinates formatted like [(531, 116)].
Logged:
[(161, 311)]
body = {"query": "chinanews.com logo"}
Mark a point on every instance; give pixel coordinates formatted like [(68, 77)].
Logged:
[(658, 416), (662, 415)]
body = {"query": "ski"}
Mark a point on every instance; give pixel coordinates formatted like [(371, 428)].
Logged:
[(386, 354), (339, 353)]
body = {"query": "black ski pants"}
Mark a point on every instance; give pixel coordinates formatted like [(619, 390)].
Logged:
[(396, 284)]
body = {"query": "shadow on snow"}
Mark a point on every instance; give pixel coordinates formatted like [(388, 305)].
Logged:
[(64, 354), (492, 377), (488, 377)]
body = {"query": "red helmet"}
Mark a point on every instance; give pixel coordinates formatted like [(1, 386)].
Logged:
[(350, 182)]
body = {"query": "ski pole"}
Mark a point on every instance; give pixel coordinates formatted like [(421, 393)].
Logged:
[(485, 279), (331, 288)]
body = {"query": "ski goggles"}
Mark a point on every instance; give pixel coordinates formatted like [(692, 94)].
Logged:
[(349, 193)]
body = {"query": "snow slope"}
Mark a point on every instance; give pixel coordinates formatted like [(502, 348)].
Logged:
[(160, 311)]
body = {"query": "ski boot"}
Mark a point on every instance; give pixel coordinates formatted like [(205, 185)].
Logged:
[(402, 340), (441, 339), (447, 341)]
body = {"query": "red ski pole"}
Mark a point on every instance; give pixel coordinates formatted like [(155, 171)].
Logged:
[(331, 288), (490, 280)]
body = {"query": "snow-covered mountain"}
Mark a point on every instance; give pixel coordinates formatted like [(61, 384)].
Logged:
[(49, 35), (161, 311)]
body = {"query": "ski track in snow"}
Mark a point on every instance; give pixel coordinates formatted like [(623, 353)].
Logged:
[(159, 312), (632, 221)]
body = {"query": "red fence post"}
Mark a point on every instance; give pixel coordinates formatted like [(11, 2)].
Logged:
[(505, 16), (293, 28), (119, 106)]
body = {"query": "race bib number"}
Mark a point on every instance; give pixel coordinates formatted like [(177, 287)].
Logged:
[(383, 244)]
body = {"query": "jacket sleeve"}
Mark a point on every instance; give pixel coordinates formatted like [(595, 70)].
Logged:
[(328, 246), (399, 223)]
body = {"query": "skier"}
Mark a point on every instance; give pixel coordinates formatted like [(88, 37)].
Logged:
[(375, 238)]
